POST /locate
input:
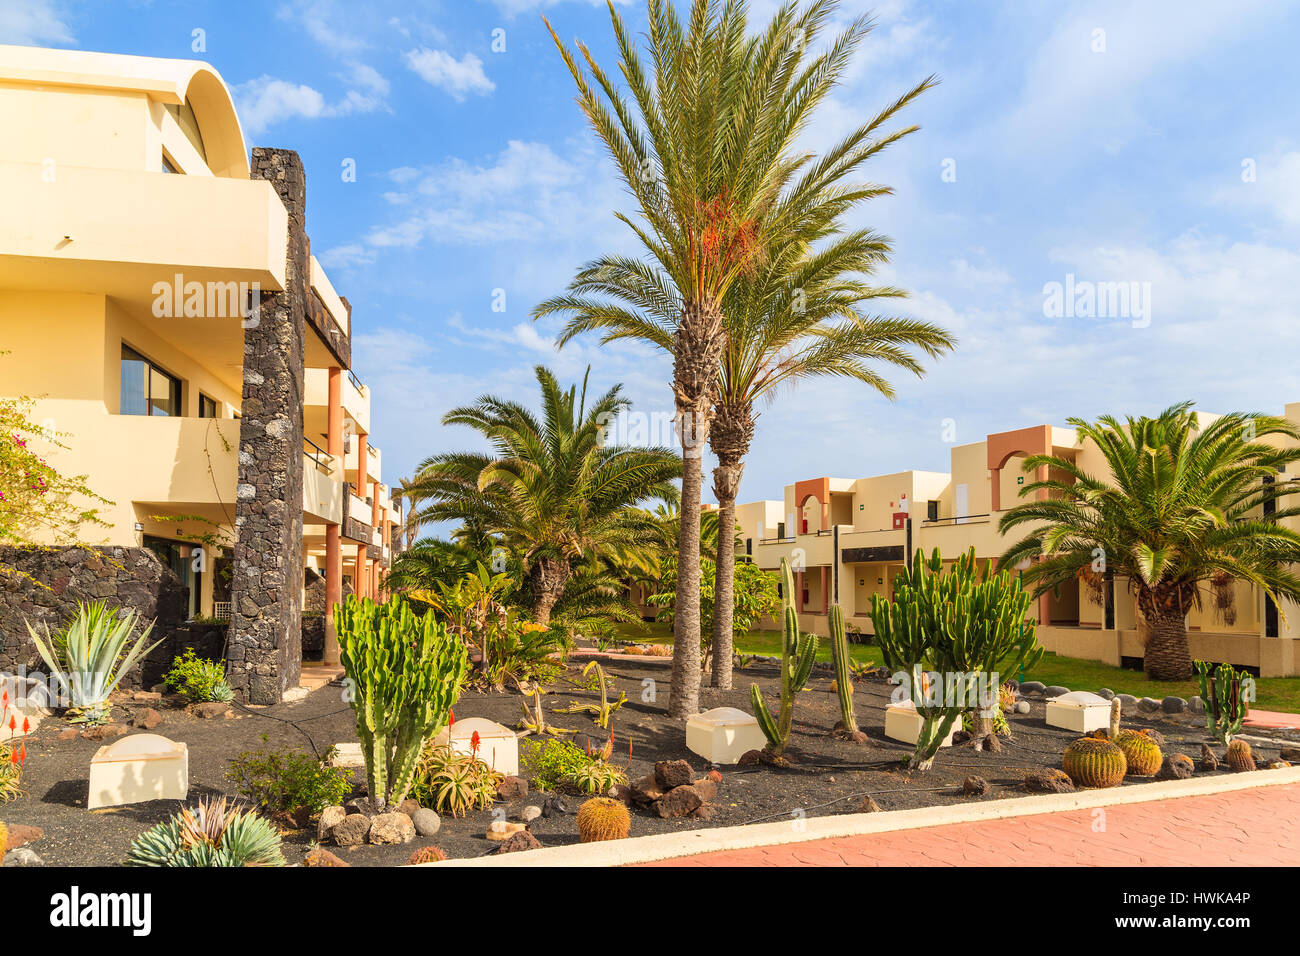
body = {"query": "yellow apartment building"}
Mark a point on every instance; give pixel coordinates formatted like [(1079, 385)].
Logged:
[(848, 539), (160, 302)]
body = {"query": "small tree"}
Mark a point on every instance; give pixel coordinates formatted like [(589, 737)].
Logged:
[(948, 631), (37, 504), (404, 675), (754, 597)]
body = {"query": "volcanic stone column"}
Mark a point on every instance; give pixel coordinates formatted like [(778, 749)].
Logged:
[(265, 653)]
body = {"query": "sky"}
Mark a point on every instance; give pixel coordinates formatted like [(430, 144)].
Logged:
[(1102, 204)]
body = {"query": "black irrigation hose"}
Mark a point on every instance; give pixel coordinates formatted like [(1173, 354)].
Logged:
[(282, 720)]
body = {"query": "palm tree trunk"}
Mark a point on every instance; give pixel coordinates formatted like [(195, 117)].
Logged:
[(547, 578), (1167, 655), (729, 437), (697, 347)]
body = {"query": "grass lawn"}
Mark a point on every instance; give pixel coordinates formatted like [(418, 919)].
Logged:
[(1273, 693)]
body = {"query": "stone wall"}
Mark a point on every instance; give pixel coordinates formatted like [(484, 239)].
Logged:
[(265, 654), (131, 577)]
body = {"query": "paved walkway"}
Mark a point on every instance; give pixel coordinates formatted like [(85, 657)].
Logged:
[(1255, 827), (1270, 719)]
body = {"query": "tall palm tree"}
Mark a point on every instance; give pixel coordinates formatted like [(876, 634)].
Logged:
[(1181, 504), (551, 492), (705, 145)]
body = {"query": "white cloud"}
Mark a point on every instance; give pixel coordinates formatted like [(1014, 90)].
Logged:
[(458, 77), (513, 8), (267, 100), (326, 23), (32, 23)]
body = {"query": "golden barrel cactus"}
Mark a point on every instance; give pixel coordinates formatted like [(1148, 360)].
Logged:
[(1240, 757), (1094, 763), (427, 854), (601, 818), (1141, 752)]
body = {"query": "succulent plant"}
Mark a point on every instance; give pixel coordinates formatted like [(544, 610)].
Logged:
[(214, 833), (426, 854), (843, 673), (601, 712), (1240, 757), (1094, 763), (1141, 752), (4, 837), (798, 651), (601, 818), (452, 782), (1227, 694)]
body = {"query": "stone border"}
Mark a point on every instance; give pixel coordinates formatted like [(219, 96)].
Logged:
[(664, 846)]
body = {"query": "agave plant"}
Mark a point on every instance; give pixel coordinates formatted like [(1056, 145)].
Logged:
[(214, 833), (89, 657)]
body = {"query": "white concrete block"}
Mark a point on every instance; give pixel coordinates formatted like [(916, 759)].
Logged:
[(903, 723), (498, 746), (723, 734), (138, 768), (1079, 711)]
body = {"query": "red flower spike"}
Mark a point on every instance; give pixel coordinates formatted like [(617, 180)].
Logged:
[(474, 742), (27, 726)]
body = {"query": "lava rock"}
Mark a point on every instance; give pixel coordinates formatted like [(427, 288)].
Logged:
[(361, 805), (975, 786), (512, 788), (390, 829), (868, 805), (1156, 736), (518, 842), (1056, 690), (1032, 687), (1048, 781), (714, 775), (678, 802), (1208, 760), (210, 710), (20, 835), (1290, 753), (499, 831), (22, 857), (104, 732), (960, 736), (1148, 705), (1196, 705), (556, 804), (1173, 705), (750, 758), (646, 791), (1106, 693), (704, 811), (673, 773), (330, 817), (529, 813), (426, 822), (1176, 767), (323, 857), (1022, 707), (70, 734), (147, 719), (1128, 703), (408, 806), (352, 830), (706, 788), (621, 792)]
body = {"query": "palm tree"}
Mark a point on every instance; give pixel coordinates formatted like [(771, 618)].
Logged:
[(705, 146), (1181, 504), (551, 493)]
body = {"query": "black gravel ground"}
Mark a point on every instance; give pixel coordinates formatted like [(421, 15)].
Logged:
[(827, 775)]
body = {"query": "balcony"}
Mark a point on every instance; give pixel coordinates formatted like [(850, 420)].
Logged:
[(322, 486)]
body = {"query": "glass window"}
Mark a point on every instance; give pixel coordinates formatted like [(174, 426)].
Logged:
[(207, 407), (147, 389)]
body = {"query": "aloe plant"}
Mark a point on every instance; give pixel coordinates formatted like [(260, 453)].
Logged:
[(89, 657), (405, 673)]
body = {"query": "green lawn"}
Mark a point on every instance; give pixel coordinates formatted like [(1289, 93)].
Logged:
[(1274, 693)]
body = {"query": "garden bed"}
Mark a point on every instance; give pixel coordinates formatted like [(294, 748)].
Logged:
[(826, 776)]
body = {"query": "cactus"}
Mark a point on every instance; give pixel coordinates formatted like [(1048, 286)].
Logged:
[(535, 722), (961, 623), (1094, 763), (602, 818), (404, 675), (1227, 694), (798, 651), (1141, 752), (1240, 758), (426, 854), (843, 672), (601, 712), (1116, 712)]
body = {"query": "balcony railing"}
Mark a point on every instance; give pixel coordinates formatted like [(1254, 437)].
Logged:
[(318, 456)]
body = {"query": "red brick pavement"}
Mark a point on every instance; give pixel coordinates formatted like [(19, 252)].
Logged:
[(1255, 827)]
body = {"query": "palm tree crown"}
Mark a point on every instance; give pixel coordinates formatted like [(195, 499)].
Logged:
[(1181, 504)]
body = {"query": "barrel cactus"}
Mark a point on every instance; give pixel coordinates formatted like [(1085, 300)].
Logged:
[(427, 854), (602, 818), (1240, 757), (1094, 762), (1141, 752)]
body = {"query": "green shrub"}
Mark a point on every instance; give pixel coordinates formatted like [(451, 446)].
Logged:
[(553, 764), (288, 780), (197, 679)]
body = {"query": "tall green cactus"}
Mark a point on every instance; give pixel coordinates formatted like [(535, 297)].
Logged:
[(843, 673), (960, 623), (1226, 693), (798, 651), (404, 675)]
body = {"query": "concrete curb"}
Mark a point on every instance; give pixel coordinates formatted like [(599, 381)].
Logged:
[(665, 846)]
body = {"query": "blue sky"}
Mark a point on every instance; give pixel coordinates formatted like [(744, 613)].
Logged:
[(1151, 143)]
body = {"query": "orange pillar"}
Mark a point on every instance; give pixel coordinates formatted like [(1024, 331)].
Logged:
[(333, 544), (363, 573)]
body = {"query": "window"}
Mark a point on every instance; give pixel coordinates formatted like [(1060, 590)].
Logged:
[(178, 556), (932, 511), (207, 407), (147, 389), (168, 166)]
